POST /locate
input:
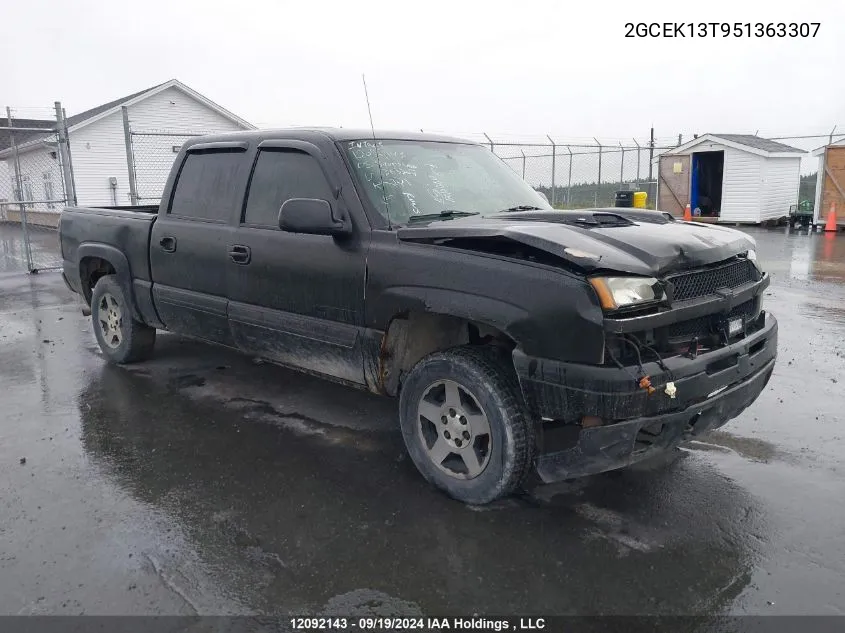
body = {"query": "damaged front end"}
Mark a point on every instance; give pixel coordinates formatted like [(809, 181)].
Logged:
[(686, 362)]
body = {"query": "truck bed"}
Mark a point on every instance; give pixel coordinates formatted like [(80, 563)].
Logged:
[(126, 229)]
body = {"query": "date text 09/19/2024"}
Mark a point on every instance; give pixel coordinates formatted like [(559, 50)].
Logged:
[(417, 624)]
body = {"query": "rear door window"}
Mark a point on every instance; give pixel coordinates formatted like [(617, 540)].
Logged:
[(207, 187), (279, 176)]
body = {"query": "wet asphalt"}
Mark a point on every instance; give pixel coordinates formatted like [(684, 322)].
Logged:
[(203, 482)]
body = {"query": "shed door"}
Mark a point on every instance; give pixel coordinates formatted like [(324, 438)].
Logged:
[(673, 184), (834, 183)]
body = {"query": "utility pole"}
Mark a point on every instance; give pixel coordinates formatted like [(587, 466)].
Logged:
[(650, 154)]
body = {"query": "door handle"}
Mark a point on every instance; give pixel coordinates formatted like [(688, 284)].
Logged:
[(240, 254), (168, 244)]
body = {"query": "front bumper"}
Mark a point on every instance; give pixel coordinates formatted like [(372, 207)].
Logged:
[(711, 389)]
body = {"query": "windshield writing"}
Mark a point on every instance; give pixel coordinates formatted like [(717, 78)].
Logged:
[(403, 179)]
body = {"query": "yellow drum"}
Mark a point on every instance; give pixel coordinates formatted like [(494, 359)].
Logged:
[(640, 199)]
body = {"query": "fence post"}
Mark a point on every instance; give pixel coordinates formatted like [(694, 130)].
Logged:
[(69, 156), (523, 163), (598, 184), (622, 166), (638, 161), (569, 182), (20, 196), (554, 160), (489, 140), (130, 158), (64, 155)]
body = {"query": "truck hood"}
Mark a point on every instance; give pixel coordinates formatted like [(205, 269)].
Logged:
[(637, 242)]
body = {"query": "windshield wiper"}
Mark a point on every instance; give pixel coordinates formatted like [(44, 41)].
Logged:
[(446, 214), (522, 207)]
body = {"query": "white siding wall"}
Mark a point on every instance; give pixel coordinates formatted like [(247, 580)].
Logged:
[(6, 187), (98, 149), (780, 187), (741, 186), (97, 153), (34, 165)]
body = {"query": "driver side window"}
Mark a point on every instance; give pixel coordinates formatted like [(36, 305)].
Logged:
[(280, 175)]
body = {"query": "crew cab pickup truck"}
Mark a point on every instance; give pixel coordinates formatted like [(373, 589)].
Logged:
[(524, 343)]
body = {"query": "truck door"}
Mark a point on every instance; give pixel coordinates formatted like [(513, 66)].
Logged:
[(294, 298), (189, 243)]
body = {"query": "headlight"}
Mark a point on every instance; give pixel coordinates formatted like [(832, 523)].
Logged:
[(620, 292), (752, 257)]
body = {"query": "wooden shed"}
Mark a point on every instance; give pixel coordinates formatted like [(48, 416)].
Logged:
[(830, 183), (730, 178)]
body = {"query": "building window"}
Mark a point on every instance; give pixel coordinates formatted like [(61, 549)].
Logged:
[(48, 189)]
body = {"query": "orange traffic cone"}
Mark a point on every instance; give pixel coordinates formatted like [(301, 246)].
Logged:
[(830, 227), (687, 213)]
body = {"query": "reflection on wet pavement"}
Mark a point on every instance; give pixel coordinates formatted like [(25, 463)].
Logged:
[(44, 248), (795, 256)]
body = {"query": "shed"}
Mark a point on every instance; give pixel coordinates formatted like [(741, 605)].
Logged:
[(830, 182), (730, 178)]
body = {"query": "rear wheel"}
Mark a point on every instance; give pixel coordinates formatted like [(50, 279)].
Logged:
[(465, 424), (122, 339)]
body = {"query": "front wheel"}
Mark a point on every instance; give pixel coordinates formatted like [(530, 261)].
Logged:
[(465, 424), (122, 339)]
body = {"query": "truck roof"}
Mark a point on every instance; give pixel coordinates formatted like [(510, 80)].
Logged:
[(325, 133)]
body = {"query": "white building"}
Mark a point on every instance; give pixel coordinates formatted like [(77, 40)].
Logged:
[(171, 111), (730, 177)]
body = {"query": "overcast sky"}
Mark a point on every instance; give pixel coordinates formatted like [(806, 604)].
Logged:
[(508, 68)]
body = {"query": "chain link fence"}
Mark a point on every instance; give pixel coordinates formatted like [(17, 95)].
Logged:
[(36, 182), (152, 156), (581, 175)]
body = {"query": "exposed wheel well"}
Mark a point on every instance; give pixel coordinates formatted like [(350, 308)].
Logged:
[(413, 335), (90, 271)]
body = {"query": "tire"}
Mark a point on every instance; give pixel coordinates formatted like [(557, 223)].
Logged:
[(122, 339), (473, 383)]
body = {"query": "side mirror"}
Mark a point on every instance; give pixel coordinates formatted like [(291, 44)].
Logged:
[(311, 216)]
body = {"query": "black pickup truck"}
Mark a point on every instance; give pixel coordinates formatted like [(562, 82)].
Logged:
[(520, 340)]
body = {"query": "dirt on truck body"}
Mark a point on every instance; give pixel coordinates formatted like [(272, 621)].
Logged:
[(518, 338)]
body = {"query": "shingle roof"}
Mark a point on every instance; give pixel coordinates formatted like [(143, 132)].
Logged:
[(83, 116), (757, 142), (49, 124), (21, 137)]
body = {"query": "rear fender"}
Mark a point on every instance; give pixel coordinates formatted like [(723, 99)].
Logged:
[(120, 264)]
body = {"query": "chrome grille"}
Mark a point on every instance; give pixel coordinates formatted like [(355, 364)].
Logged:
[(701, 283)]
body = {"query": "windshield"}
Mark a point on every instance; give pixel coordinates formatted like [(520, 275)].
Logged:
[(422, 178)]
